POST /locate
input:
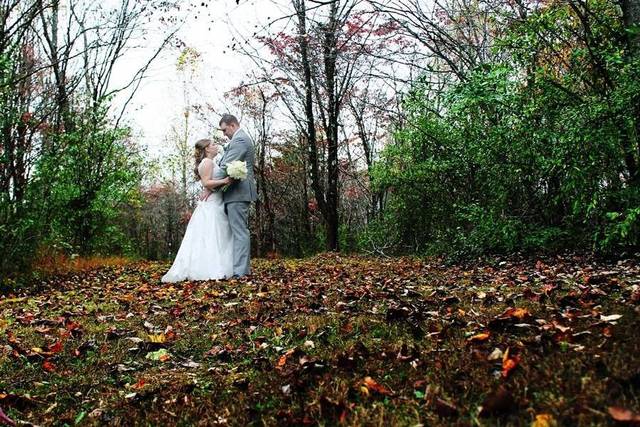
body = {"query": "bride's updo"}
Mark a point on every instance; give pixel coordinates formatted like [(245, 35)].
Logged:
[(200, 154)]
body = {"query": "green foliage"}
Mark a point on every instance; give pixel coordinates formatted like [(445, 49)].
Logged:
[(531, 154), (90, 180), (74, 198)]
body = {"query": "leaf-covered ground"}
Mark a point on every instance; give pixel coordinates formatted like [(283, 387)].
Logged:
[(329, 340)]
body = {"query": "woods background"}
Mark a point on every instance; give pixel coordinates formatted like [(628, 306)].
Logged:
[(455, 127)]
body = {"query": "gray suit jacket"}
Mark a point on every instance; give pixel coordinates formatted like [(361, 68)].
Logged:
[(240, 148)]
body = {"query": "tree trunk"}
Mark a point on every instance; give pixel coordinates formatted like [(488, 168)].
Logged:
[(333, 109), (316, 184), (631, 18)]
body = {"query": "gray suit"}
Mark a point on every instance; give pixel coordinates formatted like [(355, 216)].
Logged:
[(237, 199)]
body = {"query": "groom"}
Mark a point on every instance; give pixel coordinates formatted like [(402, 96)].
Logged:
[(240, 193)]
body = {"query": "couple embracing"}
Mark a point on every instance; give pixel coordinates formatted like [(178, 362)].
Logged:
[(216, 244)]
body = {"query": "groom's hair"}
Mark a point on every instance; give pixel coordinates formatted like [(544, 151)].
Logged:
[(229, 119)]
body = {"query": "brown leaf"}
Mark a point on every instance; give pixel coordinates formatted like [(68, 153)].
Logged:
[(445, 409), (21, 403), (498, 403)]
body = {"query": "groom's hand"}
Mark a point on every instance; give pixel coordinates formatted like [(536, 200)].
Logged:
[(205, 194)]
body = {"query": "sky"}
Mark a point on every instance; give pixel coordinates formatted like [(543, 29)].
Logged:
[(159, 101)]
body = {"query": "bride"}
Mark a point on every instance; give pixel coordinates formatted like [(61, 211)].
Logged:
[(206, 251)]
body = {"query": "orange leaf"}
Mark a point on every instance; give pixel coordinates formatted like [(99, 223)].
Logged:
[(622, 414), (508, 363), (283, 359), (140, 384), (371, 384), (479, 337), (518, 313), (544, 420)]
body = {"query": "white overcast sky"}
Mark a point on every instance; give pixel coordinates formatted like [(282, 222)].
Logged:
[(158, 102)]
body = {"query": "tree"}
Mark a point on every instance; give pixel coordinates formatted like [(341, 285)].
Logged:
[(314, 65), (67, 164)]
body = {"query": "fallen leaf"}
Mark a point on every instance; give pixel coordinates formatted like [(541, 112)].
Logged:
[(560, 327), (157, 338), (57, 347), (508, 363), (149, 325), (496, 354), (38, 350), (623, 415), (48, 366), (516, 313), (161, 355), (497, 403), (140, 384), (479, 337), (190, 364), (283, 359), (610, 318), (544, 420), (445, 409), (371, 384)]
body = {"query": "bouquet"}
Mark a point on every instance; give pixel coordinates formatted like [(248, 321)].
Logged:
[(236, 169)]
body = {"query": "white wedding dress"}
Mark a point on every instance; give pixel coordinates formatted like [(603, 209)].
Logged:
[(206, 251)]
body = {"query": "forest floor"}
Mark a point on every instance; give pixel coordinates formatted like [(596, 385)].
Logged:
[(329, 340)]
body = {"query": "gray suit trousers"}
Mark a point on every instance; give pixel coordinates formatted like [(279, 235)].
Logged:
[(238, 214)]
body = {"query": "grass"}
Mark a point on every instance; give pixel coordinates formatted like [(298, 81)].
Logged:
[(324, 341)]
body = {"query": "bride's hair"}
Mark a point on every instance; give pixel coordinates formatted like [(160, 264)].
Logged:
[(200, 154)]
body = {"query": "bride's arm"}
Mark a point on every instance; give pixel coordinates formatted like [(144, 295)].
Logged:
[(205, 174)]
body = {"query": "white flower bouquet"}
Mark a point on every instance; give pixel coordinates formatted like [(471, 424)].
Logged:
[(236, 169)]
